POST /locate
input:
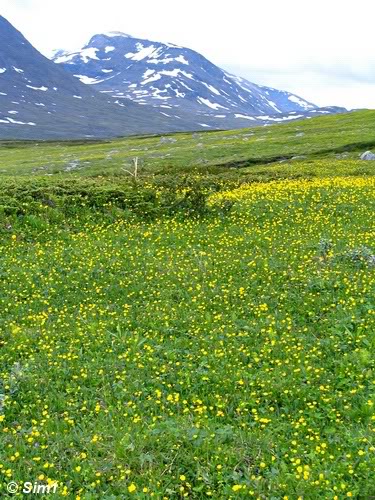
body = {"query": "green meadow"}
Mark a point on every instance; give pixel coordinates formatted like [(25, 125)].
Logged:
[(201, 328)]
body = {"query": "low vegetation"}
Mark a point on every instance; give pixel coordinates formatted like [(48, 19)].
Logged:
[(200, 330)]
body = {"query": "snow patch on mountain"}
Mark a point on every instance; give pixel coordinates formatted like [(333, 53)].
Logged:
[(85, 55), (245, 117), (300, 102), (142, 53), (43, 89), (89, 53), (150, 79), (9, 120), (207, 102), (211, 88), (87, 80), (115, 34)]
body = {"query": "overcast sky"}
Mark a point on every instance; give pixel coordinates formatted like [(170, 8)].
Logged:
[(322, 50)]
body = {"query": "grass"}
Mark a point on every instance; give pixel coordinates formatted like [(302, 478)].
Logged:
[(195, 335), (323, 138)]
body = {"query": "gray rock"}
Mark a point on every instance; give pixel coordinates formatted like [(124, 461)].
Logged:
[(73, 165), (342, 155), (369, 155), (167, 140)]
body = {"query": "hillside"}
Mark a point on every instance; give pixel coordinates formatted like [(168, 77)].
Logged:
[(39, 100), (238, 153)]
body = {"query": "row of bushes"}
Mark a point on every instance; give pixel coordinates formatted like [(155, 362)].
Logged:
[(56, 199)]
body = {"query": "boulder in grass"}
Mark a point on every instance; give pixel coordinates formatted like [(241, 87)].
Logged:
[(369, 155)]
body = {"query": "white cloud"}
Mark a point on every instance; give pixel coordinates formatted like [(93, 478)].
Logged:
[(321, 50)]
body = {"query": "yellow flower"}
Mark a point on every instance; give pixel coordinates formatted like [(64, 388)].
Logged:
[(236, 487), (182, 477), (132, 488)]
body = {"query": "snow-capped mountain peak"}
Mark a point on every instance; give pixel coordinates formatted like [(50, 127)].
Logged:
[(177, 79), (114, 34)]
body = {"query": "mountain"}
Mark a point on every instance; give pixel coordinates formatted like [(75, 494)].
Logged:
[(118, 85), (40, 100), (177, 80)]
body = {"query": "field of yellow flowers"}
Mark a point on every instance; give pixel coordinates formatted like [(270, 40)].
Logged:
[(226, 356)]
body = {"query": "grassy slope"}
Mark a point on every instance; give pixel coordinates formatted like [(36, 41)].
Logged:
[(323, 138), (230, 355)]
